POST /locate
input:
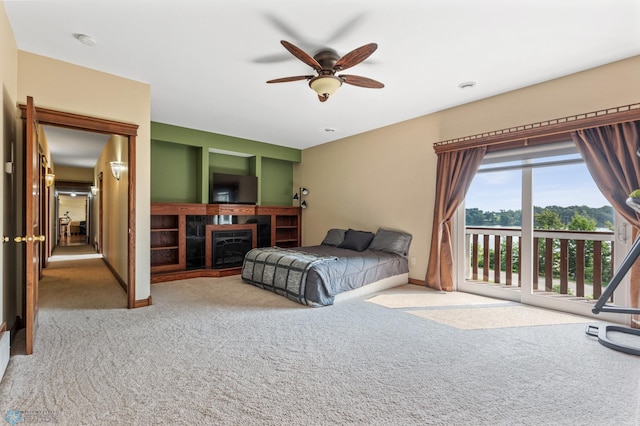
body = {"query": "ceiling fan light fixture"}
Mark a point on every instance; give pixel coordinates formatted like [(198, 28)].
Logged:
[(325, 85)]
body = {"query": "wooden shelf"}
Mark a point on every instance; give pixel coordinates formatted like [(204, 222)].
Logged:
[(168, 237), (231, 209), (285, 226)]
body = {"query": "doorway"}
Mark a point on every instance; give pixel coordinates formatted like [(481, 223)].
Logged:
[(536, 230), (128, 134), (74, 214)]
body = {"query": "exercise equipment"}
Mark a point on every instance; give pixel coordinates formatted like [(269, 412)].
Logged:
[(601, 331)]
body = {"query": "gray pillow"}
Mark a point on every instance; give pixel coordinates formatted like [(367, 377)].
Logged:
[(391, 242), (334, 237), (356, 240)]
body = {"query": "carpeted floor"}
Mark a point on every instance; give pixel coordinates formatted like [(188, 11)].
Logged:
[(220, 352), (469, 311)]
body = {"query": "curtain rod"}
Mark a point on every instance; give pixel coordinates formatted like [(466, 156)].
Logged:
[(543, 128)]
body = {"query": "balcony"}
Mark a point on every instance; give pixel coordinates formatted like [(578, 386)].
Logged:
[(576, 264)]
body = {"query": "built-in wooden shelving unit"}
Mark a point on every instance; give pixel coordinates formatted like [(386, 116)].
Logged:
[(169, 248)]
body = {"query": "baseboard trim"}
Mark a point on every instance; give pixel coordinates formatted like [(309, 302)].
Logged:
[(141, 303), (162, 277), (417, 282), (122, 282), (5, 351)]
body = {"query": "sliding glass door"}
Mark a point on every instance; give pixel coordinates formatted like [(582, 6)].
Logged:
[(536, 229)]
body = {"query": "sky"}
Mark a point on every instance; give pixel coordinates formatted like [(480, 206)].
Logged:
[(567, 185)]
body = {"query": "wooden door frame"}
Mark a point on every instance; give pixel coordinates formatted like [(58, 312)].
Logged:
[(81, 122), (32, 217), (100, 211), (44, 214)]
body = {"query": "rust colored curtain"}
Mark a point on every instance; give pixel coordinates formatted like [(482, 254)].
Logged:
[(455, 172), (610, 155)]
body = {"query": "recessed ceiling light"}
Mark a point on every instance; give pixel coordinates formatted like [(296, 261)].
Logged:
[(327, 129), (467, 85), (85, 39)]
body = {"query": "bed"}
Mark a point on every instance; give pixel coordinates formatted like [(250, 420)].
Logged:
[(346, 264)]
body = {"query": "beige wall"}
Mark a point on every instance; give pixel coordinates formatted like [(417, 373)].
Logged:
[(9, 79), (387, 177), (76, 206), (376, 179), (67, 87), (115, 208), (74, 174), (612, 85)]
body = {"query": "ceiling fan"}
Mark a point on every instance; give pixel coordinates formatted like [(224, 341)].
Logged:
[(327, 63)]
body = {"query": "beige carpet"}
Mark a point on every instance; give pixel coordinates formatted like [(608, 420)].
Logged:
[(221, 352), (469, 311), (412, 296), (499, 317)]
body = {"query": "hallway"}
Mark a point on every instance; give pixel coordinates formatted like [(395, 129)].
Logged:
[(77, 278), (72, 240)]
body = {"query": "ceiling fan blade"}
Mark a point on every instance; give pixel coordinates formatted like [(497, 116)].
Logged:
[(302, 55), (344, 29), (355, 57), (285, 28), (274, 58), (356, 80), (287, 79)]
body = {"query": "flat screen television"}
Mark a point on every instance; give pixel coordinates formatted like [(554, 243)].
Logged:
[(233, 189)]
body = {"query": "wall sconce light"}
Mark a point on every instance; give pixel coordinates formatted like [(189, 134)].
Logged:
[(116, 168), (94, 190), (49, 178), (303, 191)]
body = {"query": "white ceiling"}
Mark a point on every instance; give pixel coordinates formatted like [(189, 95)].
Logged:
[(74, 148), (207, 61)]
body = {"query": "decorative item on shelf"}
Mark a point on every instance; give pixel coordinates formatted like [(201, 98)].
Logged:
[(298, 196), (94, 190), (49, 178), (116, 168)]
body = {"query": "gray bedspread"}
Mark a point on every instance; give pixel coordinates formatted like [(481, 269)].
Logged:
[(282, 271), (339, 270)]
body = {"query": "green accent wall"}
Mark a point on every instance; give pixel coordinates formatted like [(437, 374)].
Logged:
[(180, 155), (232, 164), (277, 182), (175, 173)]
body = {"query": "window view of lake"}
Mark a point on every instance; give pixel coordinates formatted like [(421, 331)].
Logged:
[(494, 198), (572, 251)]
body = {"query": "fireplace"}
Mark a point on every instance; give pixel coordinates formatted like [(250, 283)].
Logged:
[(226, 245), (229, 247)]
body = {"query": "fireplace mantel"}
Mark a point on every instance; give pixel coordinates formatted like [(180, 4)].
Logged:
[(210, 228)]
